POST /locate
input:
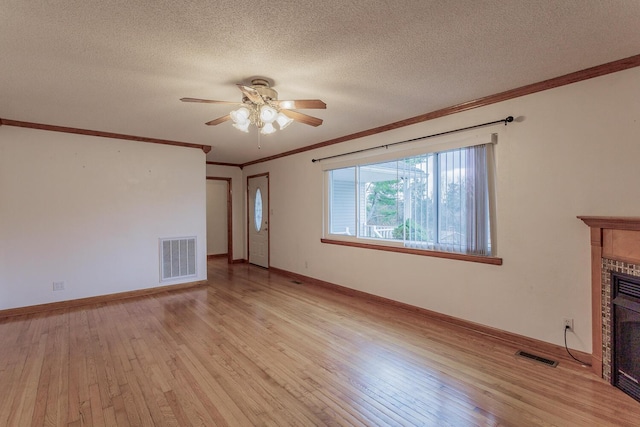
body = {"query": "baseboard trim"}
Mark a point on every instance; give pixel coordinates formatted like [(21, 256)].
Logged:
[(61, 305), (530, 344), (217, 256), (239, 261)]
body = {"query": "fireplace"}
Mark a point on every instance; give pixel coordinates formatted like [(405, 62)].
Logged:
[(615, 300), (626, 333)]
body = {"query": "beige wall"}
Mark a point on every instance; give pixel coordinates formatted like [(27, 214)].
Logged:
[(89, 211), (574, 150)]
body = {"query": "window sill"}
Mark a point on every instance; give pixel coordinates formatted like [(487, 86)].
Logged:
[(423, 252)]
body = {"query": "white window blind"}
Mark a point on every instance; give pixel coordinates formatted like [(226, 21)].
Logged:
[(437, 200)]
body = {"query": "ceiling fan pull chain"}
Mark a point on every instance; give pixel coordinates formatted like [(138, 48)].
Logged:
[(259, 141)]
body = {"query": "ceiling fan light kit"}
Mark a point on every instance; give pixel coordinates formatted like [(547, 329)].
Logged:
[(260, 107), (261, 116), (283, 121)]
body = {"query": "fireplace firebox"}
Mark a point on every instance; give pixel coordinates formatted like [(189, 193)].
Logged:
[(625, 308)]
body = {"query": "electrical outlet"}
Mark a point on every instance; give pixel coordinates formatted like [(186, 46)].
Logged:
[(567, 323), (58, 286)]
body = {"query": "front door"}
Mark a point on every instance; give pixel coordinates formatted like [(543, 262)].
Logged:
[(258, 189)]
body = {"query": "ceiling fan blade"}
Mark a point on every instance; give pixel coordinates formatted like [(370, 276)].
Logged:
[(302, 118), (219, 120), (252, 94), (295, 104), (208, 101)]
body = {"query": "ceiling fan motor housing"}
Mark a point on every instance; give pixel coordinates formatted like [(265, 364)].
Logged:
[(264, 89)]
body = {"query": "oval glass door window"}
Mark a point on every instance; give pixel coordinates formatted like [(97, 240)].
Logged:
[(257, 215)]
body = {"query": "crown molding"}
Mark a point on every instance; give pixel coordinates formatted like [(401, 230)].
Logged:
[(77, 131), (235, 165), (578, 76)]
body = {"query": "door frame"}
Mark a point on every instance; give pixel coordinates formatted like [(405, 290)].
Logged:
[(229, 217), (268, 216)]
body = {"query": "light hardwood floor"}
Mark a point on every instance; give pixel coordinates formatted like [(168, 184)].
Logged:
[(253, 348)]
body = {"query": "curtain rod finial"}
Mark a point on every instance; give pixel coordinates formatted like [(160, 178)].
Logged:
[(508, 120)]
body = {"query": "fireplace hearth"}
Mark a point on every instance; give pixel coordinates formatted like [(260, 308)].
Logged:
[(626, 333)]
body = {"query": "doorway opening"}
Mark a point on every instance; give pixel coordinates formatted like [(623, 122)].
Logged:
[(219, 218)]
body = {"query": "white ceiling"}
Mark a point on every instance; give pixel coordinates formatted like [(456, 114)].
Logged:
[(122, 66)]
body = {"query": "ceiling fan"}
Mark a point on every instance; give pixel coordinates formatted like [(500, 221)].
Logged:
[(261, 107)]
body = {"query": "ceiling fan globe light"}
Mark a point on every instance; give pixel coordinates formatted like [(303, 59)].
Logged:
[(283, 121), (267, 129), (268, 114), (243, 127), (240, 116)]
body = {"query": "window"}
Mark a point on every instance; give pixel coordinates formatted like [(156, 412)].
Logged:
[(434, 201), (257, 211)]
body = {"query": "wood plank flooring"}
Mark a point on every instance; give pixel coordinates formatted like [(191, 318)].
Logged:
[(253, 348)]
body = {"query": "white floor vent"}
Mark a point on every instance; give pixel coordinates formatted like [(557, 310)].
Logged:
[(177, 258)]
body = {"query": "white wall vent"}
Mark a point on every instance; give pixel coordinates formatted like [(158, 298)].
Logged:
[(177, 258)]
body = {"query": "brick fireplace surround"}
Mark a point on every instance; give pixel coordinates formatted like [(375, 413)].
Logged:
[(615, 247)]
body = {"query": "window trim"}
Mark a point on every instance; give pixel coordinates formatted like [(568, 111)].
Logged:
[(423, 252), (397, 247)]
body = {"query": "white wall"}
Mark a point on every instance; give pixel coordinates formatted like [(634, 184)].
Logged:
[(575, 150), (217, 217), (239, 213), (89, 211)]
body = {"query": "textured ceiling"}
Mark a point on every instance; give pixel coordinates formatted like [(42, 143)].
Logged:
[(121, 66)]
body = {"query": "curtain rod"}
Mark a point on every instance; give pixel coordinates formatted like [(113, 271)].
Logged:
[(505, 121)]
